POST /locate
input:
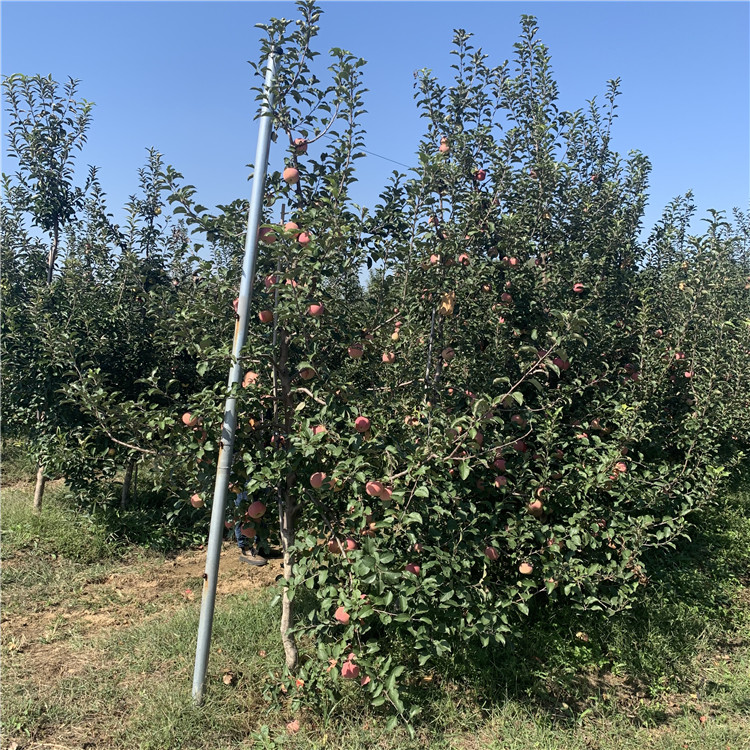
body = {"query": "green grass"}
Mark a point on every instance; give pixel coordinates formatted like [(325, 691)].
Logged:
[(642, 679)]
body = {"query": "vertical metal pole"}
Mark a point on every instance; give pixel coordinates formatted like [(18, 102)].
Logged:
[(228, 428)]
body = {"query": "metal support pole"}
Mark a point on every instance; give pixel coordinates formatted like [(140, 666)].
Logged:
[(228, 428)]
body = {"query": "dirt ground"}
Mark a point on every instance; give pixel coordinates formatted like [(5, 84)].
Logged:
[(129, 594)]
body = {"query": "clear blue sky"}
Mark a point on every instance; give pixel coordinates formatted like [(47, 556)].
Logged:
[(174, 75)]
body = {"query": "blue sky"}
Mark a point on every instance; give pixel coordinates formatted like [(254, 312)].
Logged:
[(174, 75)]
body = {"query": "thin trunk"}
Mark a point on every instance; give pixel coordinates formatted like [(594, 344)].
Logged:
[(127, 481), (134, 491), (286, 510), (52, 257), (39, 489), (287, 605), (40, 480)]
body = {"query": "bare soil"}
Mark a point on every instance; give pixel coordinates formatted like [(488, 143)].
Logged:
[(128, 595)]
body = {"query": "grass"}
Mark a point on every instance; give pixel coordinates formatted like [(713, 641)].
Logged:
[(673, 672)]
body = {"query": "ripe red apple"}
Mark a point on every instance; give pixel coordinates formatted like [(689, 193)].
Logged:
[(500, 481), (307, 373), (318, 429), (464, 259), (479, 175), (444, 147), (412, 568), (256, 510), (349, 670), (513, 262), (303, 238), (578, 288), (563, 364), (266, 316), (315, 310), (267, 235), (434, 259), (196, 500), (506, 298), (291, 176), (248, 531), (518, 420), (491, 553), (389, 358), (189, 420), (386, 494), (342, 616), (499, 464), (418, 547), (356, 351), (361, 424), (374, 488), (316, 479), (688, 374), (290, 226), (520, 446), (269, 281), (300, 146), (536, 508)]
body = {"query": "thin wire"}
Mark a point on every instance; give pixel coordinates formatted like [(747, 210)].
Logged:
[(372, 153)]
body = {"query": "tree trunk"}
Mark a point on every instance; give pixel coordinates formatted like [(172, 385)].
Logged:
[(287, 605), (126, 484), (39, 489), (53, 253), (286, 509)]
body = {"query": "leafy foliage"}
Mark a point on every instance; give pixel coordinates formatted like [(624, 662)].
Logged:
[(521, 404)]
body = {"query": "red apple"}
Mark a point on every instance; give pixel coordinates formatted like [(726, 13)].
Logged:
[(290, 226), (318, 429), (316, 479), (479, 175), (356, 351), (256, 510), (444, 147), (500, 481), (342, 616), (196, 500), (191, 421), (525, 568), (374, 488), (291, 176), (536, 508), (266, 316), (349, 670), (578, 288), (307, 373), (300, 146), (361, 424), (267, 235), (315, 310), (412, 568), (491, 553), (303, 238)]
